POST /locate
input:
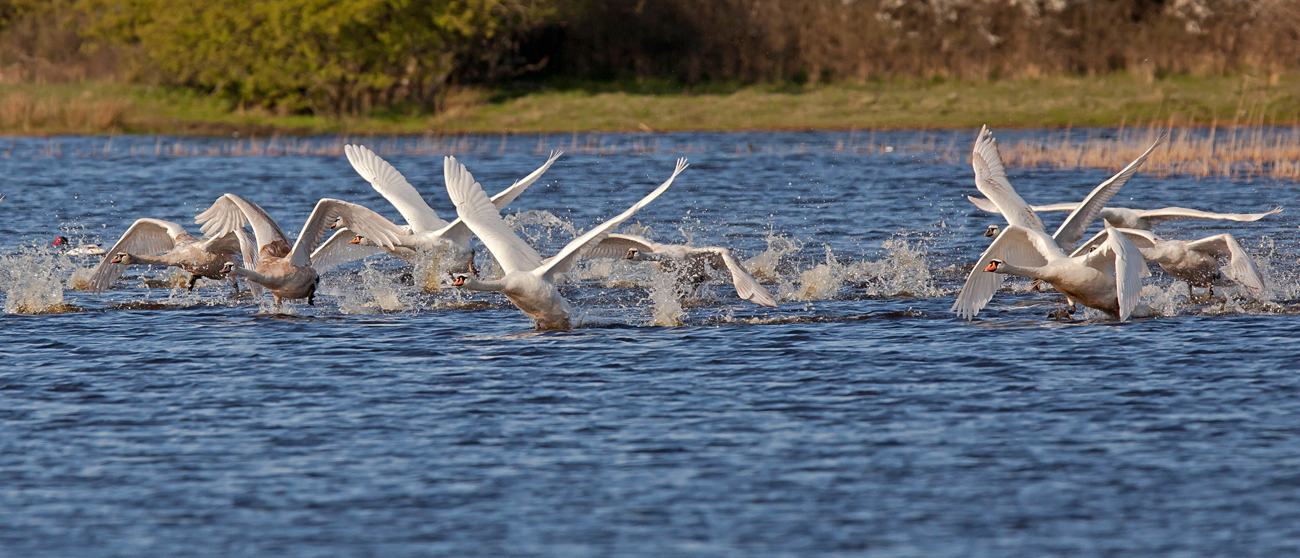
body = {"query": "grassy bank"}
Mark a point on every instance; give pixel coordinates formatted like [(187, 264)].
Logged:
[(98, 108)]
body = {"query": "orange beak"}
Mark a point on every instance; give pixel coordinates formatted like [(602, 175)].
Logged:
[(459, 282), (355, 240), (991, 267), (116, 259)]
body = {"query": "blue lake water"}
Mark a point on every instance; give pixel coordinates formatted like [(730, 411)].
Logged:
[(860, 418)]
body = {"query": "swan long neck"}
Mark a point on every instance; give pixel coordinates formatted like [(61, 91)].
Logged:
[(137, 259), (248, 274), (1030, 272), (491, 285)]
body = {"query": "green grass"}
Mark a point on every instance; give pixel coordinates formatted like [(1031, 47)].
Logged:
[(661, 106)]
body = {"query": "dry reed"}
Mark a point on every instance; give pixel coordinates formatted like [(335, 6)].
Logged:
[(19, 111)]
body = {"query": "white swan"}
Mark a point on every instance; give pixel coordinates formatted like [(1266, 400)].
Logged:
[(62, 243), (159, 242), (687, 262), (528, 282), (1107, 278), (287, 271), (1144, 219), (424, 231), (1194, 261)]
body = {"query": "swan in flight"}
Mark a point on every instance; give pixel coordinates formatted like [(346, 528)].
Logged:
[(1194, 261), (528, 281), (1144, 219), (689, 261), (159, 242), (1107, 278), (424, 230), (284, 270), (62, 243)]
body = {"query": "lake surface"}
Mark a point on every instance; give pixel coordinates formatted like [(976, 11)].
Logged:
[(860, 418)]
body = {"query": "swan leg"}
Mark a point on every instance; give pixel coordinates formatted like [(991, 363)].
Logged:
[(236, 284), (311, 295), (472, 270), (193, 279)]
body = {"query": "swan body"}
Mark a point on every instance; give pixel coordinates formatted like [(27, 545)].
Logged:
[(84, 250), (1196, 262), (528, 282), (691, 260), (159, 242), (1107, 278), (424, 232), (1142, 219), (283, 269)]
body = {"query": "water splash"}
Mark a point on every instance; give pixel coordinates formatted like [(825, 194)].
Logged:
[(32, 281), (665, 300), (370, 291)]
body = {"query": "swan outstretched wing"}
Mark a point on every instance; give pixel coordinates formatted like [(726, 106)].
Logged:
[(248, 251), (358, 218), (991, 180), (504, 197), (227, 244), (1016, 245), (484, 219), (390, 183), (575, 250), (148, 237), (339, 250), (616, 245), (1241, 267), (231, 212), (1120, 256), (1156, 216), (1076, 224), (1143, 239), (746, 287)]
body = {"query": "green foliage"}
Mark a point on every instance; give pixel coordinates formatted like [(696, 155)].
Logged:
[(322, 56)]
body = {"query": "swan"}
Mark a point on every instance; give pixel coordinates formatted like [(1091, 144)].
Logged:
[(690, 259), (159, 242), (424, 230), (1143, 219), (1107, 278), (1195, 261), (287, 271), (84, 250), (528, 281)]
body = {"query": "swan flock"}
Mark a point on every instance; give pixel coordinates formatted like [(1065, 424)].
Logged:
[(1104, 273)]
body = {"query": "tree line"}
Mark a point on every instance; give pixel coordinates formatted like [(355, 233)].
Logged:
[(343, 57)]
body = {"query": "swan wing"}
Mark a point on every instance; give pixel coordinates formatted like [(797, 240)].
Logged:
[(248, 251), (1016, 245), (578, 248), (503, 198), (991, 180), (1156, 216), (1241, 267), (390, 183), (363, 220), (616, 246), (222, 245), (1076, 224), (1140, 238), (339, 250), (985, 204), (1120, 256), (231, 212), (146, 237), (746, 286), (484, 219)]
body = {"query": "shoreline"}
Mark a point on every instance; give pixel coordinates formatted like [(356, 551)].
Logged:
[(32, 110)]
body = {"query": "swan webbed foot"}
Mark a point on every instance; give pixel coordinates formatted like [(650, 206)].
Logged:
[(193, 279), (311, 295), (1063, 314)]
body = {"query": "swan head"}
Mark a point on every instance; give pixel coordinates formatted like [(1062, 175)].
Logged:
[(632, 254), (230, 266), (60, 241), (355, 240), (993, 231), (458, 280), (993, 265), (121, 258)]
